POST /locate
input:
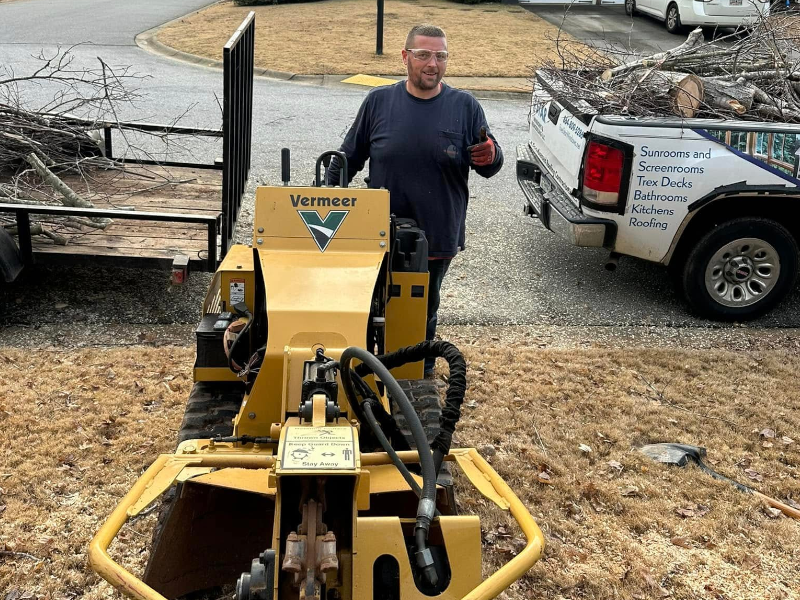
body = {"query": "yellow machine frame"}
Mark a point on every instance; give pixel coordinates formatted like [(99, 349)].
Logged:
[(320, 255)]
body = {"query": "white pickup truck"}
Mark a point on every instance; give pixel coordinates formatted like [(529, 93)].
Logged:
[(716, 201)]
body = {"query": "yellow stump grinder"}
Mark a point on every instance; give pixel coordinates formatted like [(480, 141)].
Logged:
[(314, 462)]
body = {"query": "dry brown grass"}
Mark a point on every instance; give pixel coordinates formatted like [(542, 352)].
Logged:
[(77, 428), (338, 36)]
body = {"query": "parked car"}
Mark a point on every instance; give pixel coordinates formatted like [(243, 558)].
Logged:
[(704, 13)]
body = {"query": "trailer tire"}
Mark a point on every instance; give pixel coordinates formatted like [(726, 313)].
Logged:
[(427, 402), (672, 19), (740, 269)]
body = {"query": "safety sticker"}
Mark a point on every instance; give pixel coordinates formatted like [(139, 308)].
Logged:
[(237, 291), (319, 448)]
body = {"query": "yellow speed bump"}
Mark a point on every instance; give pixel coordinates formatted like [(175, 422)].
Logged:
[(369, 80)]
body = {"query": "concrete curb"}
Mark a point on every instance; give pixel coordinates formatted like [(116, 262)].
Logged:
[(148, 41)]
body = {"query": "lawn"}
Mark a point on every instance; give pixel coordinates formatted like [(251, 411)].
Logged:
[(338, 36), (78, 427)]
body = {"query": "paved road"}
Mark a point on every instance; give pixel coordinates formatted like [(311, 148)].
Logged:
[(610, 26), (513, 271)]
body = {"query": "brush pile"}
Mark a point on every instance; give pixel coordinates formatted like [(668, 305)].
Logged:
[(748, 76), (50, 156)]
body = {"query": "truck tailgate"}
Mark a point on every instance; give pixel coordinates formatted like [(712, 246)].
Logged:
[(557, 139)]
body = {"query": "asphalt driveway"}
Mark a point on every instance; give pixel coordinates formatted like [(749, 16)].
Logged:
[(610, 26)]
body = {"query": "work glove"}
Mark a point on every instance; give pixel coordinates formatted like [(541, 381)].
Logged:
[(484, 152)]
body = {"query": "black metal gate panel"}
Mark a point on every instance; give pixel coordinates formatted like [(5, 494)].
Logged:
[(237, 124)]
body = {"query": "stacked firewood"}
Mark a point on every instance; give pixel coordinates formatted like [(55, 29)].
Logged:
[(749, 75)]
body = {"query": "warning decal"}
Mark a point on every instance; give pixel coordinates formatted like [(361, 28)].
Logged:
[(319, 448), (236, 291)]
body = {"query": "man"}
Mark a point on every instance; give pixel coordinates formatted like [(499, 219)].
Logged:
[(421, 138)]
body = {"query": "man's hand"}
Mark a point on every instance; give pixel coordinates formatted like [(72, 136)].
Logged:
[(483, 153)]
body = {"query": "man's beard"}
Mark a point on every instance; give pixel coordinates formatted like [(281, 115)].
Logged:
[(421, 83)]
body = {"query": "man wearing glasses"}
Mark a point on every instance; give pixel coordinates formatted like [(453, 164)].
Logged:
[(422, 137)]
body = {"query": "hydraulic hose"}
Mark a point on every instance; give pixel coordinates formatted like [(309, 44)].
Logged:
[(387, 446), (426, 507), (456, 387)]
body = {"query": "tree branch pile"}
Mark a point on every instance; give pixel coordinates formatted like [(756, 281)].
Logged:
[(753, 76), (46, 144)]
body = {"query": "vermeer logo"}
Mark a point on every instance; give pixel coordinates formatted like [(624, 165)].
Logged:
[(323, 230)]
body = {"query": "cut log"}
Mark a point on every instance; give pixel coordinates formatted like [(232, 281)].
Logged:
[(684, 89), (729, 96), (694, 40), (687, 93)]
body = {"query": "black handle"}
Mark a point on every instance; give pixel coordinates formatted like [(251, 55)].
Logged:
[(285, 166), (342, 166)]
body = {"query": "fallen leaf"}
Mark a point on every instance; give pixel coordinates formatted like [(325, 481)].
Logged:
[(767, 433), (543, 477), (772, 513), (630, 491), (682, 542), (766, 444), (691, 510), (792, 503), (786, 440), (615, 465), (753, 474), (585, 448)]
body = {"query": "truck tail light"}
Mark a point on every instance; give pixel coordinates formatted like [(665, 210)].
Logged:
[(602, 174)]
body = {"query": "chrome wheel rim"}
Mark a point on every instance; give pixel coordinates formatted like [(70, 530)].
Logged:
[(672, 17), (743, 272)]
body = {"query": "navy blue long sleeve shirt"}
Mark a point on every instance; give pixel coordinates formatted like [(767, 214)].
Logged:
[(417, 149)]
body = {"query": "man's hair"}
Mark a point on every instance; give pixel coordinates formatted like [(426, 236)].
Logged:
[(425, 30)]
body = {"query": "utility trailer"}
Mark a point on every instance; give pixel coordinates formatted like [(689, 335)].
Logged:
[(717, 201), (180, 227)]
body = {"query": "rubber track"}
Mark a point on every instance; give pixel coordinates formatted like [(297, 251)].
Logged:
[(210, 410), (427, 401)]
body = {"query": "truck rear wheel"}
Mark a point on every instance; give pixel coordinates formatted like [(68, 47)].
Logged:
[(740, 269)]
